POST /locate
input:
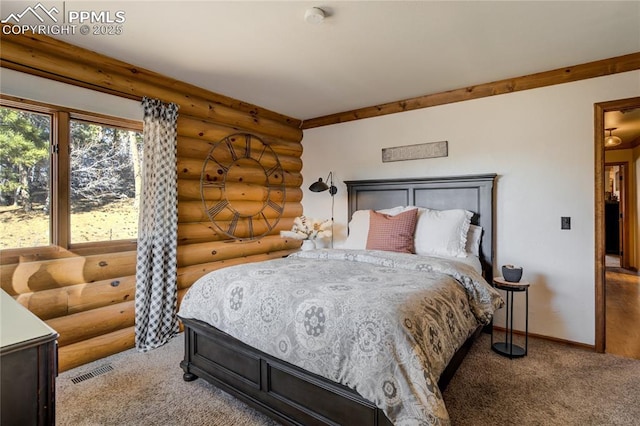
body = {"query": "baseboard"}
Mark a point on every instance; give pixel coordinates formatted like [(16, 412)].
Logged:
[(551, 339)]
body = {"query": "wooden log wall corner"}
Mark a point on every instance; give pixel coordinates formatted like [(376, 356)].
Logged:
[(88, 295)]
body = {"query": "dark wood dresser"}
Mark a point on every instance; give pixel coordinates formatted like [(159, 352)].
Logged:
[(28, 366)]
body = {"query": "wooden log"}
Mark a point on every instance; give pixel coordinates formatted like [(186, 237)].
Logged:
[(81, 70), (199, 128), (266, 160), (11, 256), (6, 279), (83, 352), (193, 211), (242, 228), (28, 277), (214, 130), (199, 149), (46, 304), (95, 322), (193, 190), (244, 171), (239, 144), (57, 302), (102, 267), (193, 254), (101, 293), (199, 232), (189, 190), (187, 275), (9, 262)]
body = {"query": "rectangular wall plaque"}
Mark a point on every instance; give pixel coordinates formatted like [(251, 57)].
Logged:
[(415, 152)]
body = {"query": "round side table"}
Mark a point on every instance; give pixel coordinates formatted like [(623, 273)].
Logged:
[(508, 348)]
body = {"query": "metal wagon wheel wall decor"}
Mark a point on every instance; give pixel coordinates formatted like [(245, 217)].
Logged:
[(242, 187)]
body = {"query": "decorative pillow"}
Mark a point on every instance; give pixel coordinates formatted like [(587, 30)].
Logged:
[(473, 240), (442, 232), (392, 233), (359, 226)]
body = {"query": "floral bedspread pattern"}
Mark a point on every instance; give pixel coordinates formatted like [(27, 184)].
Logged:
[(385, 324)]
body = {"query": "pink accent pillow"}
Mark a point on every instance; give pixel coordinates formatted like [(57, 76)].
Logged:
[(392, 233)]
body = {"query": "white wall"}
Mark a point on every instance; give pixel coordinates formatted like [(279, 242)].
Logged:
[(34, 88), (539, 142)]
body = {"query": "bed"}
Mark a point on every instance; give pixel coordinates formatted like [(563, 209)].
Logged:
[(315, 386)]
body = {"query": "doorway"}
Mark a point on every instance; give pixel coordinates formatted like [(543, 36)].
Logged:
[(616, 228), (616, 214)]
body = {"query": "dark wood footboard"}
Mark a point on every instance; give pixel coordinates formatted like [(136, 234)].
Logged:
[(283, 391)]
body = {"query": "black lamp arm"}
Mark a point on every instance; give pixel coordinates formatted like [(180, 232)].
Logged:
[(332, 188), (321, 186)]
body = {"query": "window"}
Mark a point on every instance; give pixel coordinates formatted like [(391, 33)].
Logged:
[(25, 141), (105, 182), (67, 177)]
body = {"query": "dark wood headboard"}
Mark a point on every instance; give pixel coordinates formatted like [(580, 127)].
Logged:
[(473, 193)]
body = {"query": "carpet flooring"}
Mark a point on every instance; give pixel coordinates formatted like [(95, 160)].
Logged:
[(555, 384)]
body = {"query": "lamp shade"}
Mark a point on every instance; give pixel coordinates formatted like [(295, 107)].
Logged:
[(612, 140), (318, 186)]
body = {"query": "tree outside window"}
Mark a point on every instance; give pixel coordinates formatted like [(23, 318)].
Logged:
[(25, 143)]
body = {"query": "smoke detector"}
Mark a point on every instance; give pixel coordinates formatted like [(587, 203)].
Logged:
[(314, 15)]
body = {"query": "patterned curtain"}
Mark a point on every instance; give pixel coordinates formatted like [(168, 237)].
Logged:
[(156, 268)]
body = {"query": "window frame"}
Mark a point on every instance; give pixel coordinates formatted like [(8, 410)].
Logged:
[(60, 180)]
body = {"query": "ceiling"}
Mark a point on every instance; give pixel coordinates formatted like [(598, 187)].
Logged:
[(626, 125), (364, 53)]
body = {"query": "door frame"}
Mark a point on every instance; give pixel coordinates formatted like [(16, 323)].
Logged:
[(599, 110)]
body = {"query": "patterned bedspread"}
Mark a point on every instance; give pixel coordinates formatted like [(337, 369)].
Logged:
[(385, 324)]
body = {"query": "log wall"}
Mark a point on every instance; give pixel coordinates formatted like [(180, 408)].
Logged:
[(87, 294)]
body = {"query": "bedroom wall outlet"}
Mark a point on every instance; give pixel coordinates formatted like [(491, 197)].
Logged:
[(565, 222)]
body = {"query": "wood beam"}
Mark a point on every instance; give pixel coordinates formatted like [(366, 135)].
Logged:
[(600, 68)]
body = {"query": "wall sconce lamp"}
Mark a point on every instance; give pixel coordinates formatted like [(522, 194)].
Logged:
[(321, 186)]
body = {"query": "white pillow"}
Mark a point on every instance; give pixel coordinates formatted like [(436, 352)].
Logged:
[(473, 240), (358, 230), (359, 226), (442, 232)]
